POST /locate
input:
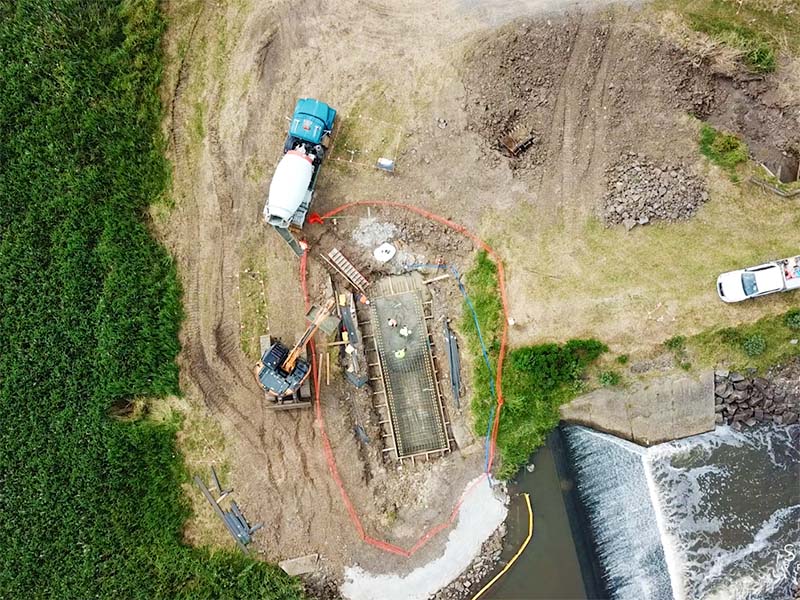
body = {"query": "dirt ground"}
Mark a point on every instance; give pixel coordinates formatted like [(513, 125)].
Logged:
[(432, 85)]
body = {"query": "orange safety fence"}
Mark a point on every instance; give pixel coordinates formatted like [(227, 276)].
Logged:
[(326, 444)]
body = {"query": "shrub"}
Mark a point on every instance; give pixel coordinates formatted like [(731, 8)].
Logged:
[(536, 379), (676, 343), (754, 345), (723, 149), (623, 359), (792, 319), (609, 378)]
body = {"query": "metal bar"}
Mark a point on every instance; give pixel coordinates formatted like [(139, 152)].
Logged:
[(218, 510), (216, 480), (439, 278)]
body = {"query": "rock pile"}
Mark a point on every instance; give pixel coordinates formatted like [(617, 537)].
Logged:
[(640, 191), (741, 401), (468, 583)]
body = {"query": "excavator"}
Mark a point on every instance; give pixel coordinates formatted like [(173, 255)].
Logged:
[(282, 372)]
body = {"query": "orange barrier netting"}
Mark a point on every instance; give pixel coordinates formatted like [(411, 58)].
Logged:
[(326, 444)]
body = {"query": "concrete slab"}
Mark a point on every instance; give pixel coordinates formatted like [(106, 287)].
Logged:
[(401, 338), (648, 413), (300, 565)]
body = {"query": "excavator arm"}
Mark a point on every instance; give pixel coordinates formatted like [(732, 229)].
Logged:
[(291, 359)]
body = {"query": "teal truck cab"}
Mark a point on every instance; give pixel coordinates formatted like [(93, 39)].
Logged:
[(292, 186)]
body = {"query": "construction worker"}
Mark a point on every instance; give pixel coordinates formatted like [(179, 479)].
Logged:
[(400, 353), (392, 322), (405, 331)]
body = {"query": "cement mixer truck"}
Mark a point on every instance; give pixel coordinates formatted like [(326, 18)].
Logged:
[(292, 185)]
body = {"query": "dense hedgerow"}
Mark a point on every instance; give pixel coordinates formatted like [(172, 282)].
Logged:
[(90, 507), (536, 379)]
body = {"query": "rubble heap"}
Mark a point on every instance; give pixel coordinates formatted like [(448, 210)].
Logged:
[(639, 191)]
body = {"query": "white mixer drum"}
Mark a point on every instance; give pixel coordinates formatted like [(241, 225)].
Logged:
[(289, 187)]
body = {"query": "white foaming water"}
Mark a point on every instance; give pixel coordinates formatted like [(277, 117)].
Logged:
[(731, 503), (712, 516), (613, 488)]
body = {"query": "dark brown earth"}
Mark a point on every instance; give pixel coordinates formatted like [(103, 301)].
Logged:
[(633, 78)]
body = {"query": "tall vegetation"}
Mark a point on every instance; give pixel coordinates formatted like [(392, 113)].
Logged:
[(536, 379), (90, 507), (757, 53), (723, 149), (760, 345)]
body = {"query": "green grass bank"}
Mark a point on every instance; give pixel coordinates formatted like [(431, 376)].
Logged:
[(536, 379)]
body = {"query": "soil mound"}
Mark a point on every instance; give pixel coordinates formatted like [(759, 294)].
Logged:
[(525, 76)]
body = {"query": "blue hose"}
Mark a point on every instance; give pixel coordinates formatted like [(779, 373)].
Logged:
[(454, 272)]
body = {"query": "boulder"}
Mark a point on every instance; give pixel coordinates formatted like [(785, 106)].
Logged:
[(723, 389), (739, 395)]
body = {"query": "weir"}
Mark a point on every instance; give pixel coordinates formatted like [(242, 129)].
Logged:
[(714, 515), (613, 489)]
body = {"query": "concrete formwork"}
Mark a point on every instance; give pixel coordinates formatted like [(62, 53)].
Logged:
[(415, 408)]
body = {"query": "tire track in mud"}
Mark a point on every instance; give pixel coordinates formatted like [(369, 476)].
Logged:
[(211, 363), (559, 142), (578, 112), (277, 453), (596, 105)]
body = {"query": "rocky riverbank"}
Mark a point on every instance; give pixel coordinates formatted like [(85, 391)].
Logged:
[(744, 401), (469, 582)]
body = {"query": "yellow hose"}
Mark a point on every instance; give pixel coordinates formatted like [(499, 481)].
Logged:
[(485, 588)]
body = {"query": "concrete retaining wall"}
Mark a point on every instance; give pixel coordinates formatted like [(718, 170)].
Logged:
[(648, 413)]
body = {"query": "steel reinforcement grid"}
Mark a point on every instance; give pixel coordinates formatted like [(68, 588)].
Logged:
[(414, 405)]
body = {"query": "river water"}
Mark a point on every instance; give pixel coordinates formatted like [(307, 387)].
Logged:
[(714, 516)]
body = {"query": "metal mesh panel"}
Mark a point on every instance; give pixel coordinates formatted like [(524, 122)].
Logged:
[(414, 406)]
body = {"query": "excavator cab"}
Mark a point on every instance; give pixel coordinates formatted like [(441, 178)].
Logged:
[(282, 372), (274, 379)]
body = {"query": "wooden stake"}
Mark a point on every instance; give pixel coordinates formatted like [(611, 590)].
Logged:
[(439, 278), (328, 369)]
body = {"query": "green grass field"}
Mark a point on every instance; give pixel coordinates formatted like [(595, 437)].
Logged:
[(91, 506)]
